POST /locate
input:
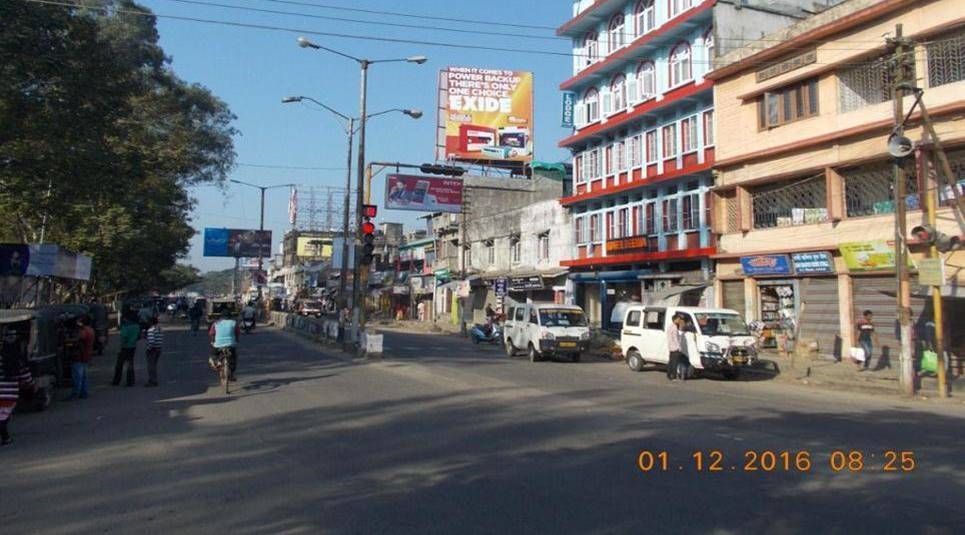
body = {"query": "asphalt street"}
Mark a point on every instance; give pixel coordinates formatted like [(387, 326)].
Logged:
[(443, 436)]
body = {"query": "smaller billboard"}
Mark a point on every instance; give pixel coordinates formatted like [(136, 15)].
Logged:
[(869, 255), (569, 105), (313, 247), (423, 193), (232, 242)]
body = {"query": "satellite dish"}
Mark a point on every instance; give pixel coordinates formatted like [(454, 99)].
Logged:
[(900, 146)]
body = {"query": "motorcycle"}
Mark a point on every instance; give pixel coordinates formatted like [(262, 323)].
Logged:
[(247, 325), (492, 334)]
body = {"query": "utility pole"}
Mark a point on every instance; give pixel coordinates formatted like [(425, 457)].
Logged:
[(346, 209), (900, 60)]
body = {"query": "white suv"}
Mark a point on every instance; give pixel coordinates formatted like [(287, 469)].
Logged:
[(546, 329)]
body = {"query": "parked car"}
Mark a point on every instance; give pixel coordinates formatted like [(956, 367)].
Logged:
[(310, 308), (717, 339), (546, 329)]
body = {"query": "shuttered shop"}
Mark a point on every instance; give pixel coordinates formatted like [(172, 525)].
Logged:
[(820, 314), (732, 295), (877, 294)]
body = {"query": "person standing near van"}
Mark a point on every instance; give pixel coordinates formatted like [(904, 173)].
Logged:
[(674, 346)]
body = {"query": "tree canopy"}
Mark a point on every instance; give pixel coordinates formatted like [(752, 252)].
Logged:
[(100, 140)]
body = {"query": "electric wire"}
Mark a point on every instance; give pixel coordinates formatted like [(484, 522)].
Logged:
[(372, 38)]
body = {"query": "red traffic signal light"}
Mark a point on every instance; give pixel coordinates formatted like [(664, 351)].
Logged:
[(368, 227), (369, 210)]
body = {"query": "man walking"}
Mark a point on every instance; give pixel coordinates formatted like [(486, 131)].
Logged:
[(130, 333), (155, 339), (80, 361), (867, 338)]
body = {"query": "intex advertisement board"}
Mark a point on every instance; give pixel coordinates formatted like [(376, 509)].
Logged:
[(233, 242), (485, 114), (423, 193)]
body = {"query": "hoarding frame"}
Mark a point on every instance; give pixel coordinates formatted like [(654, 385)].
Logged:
[(406, 192)]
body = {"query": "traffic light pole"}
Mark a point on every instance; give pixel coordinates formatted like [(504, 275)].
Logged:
[(358, 299)]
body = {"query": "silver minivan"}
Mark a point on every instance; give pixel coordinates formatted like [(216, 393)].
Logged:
[(717, 338), (546, 329)]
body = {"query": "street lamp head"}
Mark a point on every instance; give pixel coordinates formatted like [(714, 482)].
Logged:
[(415, 114), (289, 100), (305, 43), (417, 59)]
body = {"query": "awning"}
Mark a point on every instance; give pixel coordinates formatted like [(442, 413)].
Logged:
[(510, 274), (676, 290)]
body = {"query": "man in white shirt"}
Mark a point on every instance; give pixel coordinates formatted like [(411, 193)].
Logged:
[(675, 345)]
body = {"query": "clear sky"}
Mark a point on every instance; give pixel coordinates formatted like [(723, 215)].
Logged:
[(252, 69)]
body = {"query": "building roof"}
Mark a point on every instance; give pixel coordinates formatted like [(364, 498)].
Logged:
[(823, 25)]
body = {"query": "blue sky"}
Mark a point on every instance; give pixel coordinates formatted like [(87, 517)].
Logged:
[(253, 69)]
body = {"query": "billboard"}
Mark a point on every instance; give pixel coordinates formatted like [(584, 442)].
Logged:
[(313, 247), (43, 260), (485, 114), (423, 193), (234, 242)]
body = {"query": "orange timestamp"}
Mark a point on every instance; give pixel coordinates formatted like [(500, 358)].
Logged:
[(802, 461)]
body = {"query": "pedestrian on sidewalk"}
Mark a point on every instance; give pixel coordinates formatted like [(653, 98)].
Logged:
[(155, 339), (194, 314), (130, 333), (14, 376), (867, 338), (80, 360)]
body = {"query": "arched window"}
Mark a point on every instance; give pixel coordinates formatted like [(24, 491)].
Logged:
[(679, 6), (618, 88), (709, 46), (643, 17), (591, 47), (680, 64), (647, 80), (591, 100), (618, 37)]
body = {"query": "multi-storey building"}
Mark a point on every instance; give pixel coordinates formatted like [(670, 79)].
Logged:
[(805, 208), (644, 142)]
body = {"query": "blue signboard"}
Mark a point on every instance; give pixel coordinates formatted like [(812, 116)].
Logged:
[(216, 242), (817, 262), (569, 104), (766, 264)]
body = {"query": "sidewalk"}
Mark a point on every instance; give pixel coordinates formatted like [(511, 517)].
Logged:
[(843, 376)]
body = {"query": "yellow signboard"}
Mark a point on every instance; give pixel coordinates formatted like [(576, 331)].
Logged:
[(869, 255), (309, 247)]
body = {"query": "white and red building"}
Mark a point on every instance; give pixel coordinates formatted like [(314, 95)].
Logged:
[(643, 143)]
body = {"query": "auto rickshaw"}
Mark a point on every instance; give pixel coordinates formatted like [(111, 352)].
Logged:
[(221, 308), (34, 335)]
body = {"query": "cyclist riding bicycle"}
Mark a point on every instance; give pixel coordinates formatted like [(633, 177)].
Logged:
[(224, 333)]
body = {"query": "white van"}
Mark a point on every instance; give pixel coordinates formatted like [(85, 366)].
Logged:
[(717, 339), (546, 329)]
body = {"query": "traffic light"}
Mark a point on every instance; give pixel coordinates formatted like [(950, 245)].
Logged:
[(369, 210), (448, 170), (929, 235), (368, 241)]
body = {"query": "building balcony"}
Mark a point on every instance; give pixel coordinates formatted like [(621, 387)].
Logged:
[(642, 47), (648, 175), (590, 18)]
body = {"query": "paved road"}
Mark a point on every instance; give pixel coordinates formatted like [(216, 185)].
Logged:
[(445, 436)]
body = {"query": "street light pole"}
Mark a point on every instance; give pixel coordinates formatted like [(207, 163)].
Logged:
[(358, 296), (261, 219)]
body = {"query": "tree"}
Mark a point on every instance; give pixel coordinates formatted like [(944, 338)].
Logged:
[(179, 277), (99, 139)]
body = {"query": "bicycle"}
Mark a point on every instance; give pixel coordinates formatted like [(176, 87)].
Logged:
[(220, 364)]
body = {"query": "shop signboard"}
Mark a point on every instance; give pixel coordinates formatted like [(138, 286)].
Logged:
[(485, 114), (868, 255), (569, 104), (313, 247), (523, 284), (626, 244), (813, 263), (766, 264), (237, 243), (442, 275), (500, 287), (423, 193)]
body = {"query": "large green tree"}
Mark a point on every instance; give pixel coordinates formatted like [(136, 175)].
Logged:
[(100, 140)]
